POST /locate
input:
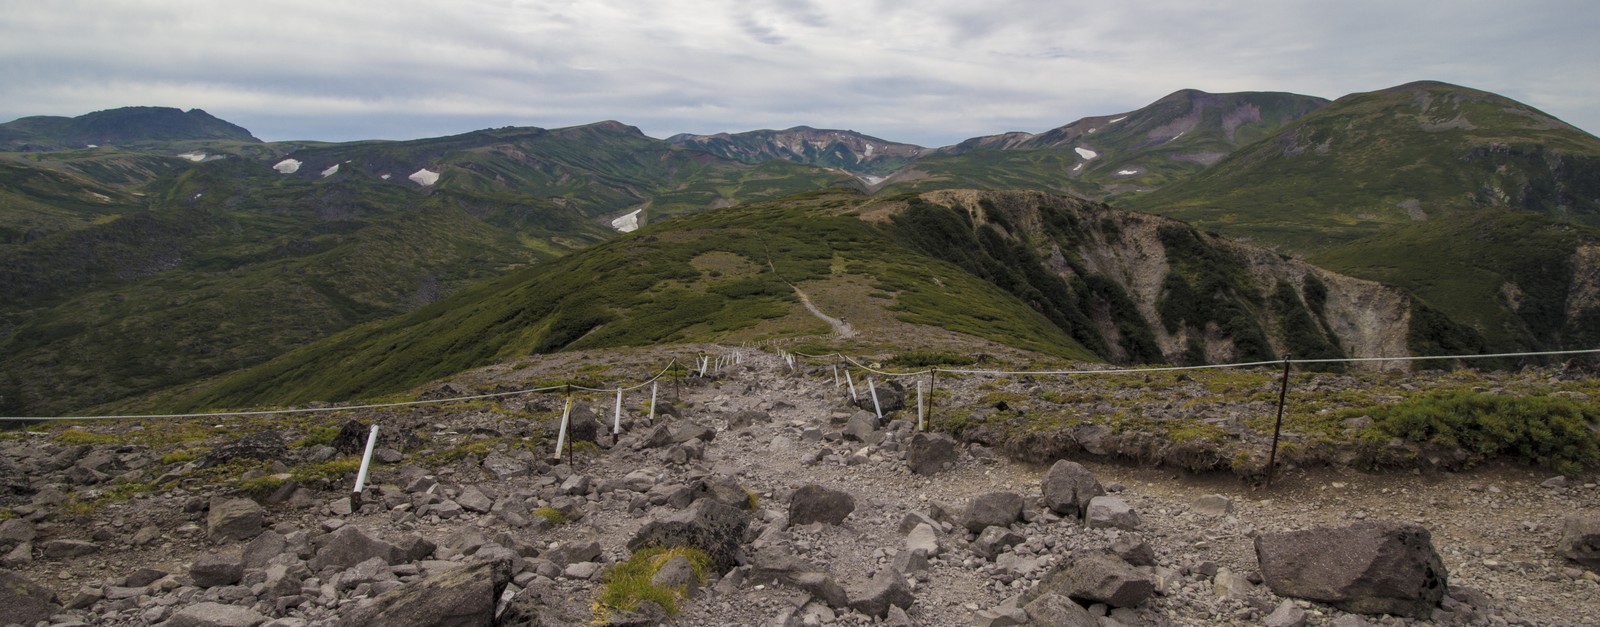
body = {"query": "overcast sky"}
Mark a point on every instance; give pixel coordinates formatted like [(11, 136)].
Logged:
[(929, 72)]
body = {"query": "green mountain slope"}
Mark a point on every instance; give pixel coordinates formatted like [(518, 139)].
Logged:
[(116, 127), (1412, 185), (1030, 271), (1104, 156)]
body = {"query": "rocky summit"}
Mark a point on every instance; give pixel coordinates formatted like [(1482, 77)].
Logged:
[(747, 502)]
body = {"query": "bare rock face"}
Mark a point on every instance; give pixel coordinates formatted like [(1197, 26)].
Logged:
[(24, 602), (1067, 488), (460, 597), (707, 525), (1098, 578), (1580, 540), (990, 510), (1366, 568), (815, 503), (927, 453), (234, 519)]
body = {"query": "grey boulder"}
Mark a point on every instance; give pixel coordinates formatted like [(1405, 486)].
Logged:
[(816, 503), (990, 510), (1367, 568), (1067, 488)]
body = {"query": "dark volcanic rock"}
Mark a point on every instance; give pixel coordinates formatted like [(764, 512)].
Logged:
[(885, 589), (891, 395), (24, 602), (992, 509), (215, 615), (1098, 578), (707, 525), (352, 438), (264, 445), (214, 569), (348, 546), (1580, 539), (234, 519), (1059, 611), (1367, 568), (815, 503), (927, 453), (461, 597), (1067, 488)]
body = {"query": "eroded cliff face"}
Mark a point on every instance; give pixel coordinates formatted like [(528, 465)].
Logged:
[(1198, 297)]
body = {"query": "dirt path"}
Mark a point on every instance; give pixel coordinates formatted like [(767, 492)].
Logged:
[(841, 328)]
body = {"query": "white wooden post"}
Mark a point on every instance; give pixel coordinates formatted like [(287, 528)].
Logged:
[(873, 389), (652, 402), (852, 381), (561, 437), (616, 416), (366, 459)]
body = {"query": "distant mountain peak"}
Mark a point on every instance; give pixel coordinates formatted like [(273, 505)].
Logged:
[(120, 126), (850, 151)]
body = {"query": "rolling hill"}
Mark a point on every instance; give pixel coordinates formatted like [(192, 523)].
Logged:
[(969, 269), (131, 269)]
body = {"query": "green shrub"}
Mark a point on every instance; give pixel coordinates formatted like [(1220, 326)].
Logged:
[(331, 470), (628, 583), (180, 457), (555, 516), (923, 359), (318, 436), (1551, 432), (260, 486)]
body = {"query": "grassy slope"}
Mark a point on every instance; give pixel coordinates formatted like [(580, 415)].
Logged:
[(658, 285), (1363, 185)]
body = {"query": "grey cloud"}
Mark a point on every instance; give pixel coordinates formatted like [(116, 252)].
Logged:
[(930, 73)]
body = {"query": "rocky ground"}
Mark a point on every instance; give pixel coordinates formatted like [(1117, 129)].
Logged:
[(468, 489)]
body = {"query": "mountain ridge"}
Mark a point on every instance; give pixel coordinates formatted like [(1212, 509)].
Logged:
[(123, 125)]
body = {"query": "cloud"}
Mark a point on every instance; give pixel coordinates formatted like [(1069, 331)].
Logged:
[(932, 73)]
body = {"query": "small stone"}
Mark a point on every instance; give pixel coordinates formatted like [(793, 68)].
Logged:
[(1287, 615), (1213, 505)]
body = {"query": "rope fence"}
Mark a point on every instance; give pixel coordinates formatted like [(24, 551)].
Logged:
[(706, 365)]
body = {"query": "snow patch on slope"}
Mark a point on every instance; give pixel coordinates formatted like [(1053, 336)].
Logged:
[(287, 166), (330, 171), (627, 223), (424, 177), (195, 156), (1086, 153)]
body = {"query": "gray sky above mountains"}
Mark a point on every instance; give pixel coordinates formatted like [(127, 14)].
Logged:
[(932, 72)]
